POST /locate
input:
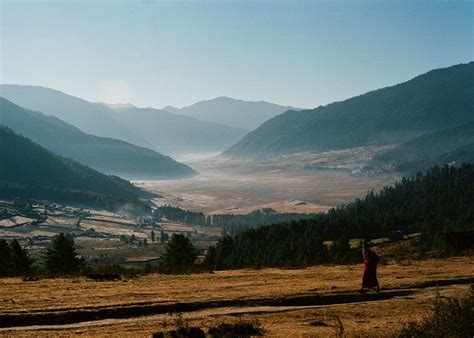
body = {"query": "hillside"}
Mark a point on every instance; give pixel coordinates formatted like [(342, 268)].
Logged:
[(174, 133), (150, 128), (236, 113), (103, 154), (440, 147), (28, 170), (436, 100)]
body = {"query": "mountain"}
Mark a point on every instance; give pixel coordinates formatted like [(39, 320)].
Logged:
[(29, 170), (174, 133), (439, 99), (103, 154), (438, 148), (91, 118), (150, 128), (236, 113)]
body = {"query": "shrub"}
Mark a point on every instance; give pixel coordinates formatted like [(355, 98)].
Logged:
[(239, 329), (181, 332), (450, 318)]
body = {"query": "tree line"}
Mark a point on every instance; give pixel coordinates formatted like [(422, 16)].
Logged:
[(233, 224), (60, 258), (437, 201), (229, 222), (179, 215)]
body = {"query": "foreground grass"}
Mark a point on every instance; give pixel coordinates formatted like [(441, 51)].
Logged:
[(371, 318), (450, 318)]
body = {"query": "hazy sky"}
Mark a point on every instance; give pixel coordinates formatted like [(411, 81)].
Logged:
[(300, 53)]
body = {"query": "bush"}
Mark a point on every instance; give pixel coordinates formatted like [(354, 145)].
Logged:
[(182, 332), (240, 329), (450, 318)]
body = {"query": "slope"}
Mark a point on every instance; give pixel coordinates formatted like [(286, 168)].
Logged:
[(150, 128), (89, 117), (439, 99), (440, 147), (29, 170), (104, 154)]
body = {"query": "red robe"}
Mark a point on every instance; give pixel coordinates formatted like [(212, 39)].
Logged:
[(369, 279)]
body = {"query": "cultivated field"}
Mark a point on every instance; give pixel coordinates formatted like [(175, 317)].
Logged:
[(101, 236), (286, 302)]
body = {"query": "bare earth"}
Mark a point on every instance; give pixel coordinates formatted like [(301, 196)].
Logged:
[(276, 297)]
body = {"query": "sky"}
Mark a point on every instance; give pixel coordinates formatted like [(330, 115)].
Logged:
[(299, 53)]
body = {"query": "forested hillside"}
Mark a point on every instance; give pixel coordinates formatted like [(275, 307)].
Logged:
[(441, 147), (29, 171), (439, 99), (442, 199), (107, 155)]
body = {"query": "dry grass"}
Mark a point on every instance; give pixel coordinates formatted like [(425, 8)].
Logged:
[(366, 318)]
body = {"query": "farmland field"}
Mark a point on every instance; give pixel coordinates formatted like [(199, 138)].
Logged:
[(285, 301)]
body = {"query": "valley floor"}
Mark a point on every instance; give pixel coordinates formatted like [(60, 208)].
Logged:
[(304, 183), (285, 301)]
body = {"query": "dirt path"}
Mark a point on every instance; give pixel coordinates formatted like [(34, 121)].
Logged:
[(87, 314), (287, 302), (381, 317)]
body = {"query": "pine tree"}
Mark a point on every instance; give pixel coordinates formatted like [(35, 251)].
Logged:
[(20, 260), (61, 257), (6, 268), (179, 254)]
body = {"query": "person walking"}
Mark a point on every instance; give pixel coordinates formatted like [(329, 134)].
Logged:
[(369, 278)]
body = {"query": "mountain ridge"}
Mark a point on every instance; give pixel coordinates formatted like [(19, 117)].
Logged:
[(104, 154), (32, 171), (437, 99), (175, 133), (106, 120), (233, 112)]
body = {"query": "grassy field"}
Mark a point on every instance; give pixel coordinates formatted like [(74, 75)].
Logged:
[(300, 301)]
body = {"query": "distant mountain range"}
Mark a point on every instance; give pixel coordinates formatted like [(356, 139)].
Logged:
[(175, 133), (151, 128), (236, 113), (30, 171), (91, 118), (107, 155), (439, 99)]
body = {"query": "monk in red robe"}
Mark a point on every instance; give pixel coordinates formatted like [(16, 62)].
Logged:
[(369, 279)]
